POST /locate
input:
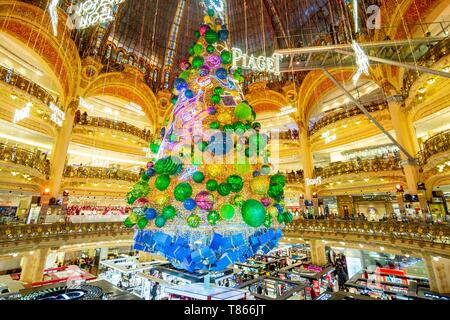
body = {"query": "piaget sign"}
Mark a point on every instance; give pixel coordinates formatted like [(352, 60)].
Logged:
[(261, 63), (89, 13)]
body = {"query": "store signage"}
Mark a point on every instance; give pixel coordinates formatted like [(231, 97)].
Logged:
[(135, 108), (22, 114), (380, 151), (286, 110), (328, 137), (87, 106), (261, 63), (58, 116), (92, 12), (314, 182)]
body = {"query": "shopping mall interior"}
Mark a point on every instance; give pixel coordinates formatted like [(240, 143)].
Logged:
[(346, 109)]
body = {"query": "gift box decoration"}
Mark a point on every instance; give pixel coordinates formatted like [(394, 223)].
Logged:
[(278, 234), (216, 241), (204, 253), (162, 239), (264, 238), (181, 241), (227, 243), (254, 241), (237, 240)]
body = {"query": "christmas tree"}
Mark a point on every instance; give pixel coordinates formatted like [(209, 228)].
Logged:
[(209, 198)]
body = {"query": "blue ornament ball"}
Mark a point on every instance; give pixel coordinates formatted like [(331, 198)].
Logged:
[(189, 94), (163, 132), (279, 207), (256, 173), (221, 73), (189, 204), (203, 71), (180, 84), (150, 213), (223, 35), (150, 172)]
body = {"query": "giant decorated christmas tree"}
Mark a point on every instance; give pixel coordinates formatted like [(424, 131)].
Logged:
[(209, 198)]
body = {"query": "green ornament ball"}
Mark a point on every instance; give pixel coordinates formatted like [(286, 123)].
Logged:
[(276, 191), (154, 147), (162, 182), (227, 211), (198, 177), (213, 217), (265, 169), (243, 111), (215, 99), (211, 12), (193, 221), (211, 36), (240, 128), (198, 49), (228, 128), (226, 57), (210, 49), (253, 213), (142, 223), (202, 146), (214, 125), (280, 218), (160, 221), (278, 179), (236, 182), (185, 74), (128, 223), (288, 217), (182, 191), (218, 90), (172, 137), (238, 200), (268, 221), (224, 189), (211, 185), (197, 34), (258, 141), (197, 62), (191, 51), (169, 212)]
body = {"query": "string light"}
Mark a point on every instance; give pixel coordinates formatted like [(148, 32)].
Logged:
[(53, 10), (361, 61)]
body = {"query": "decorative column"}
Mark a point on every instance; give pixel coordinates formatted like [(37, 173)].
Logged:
[(307, 159), (406, 137), (318, 255), (438, 272), (33, 266), (60, 148)]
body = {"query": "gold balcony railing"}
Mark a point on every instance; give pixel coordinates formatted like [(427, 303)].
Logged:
[(436, 144), (14, 233), (14, 79), (433, 55), (344, 114), (355, 166), (35, 160), (100, 173), (113, 125), (431, 233)]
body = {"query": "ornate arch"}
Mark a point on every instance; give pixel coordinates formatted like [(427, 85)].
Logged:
[(32, 27), (263, 99), (128, 87)]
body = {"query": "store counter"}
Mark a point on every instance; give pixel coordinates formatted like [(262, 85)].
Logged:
[(271, 288), (342, 296), (198, 291)]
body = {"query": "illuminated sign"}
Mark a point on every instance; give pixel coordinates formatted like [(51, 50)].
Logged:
[(314, 182), (58, 116), (135, 108), (84, 104), (286, 110), (260, 63), (328, 137), (92, 12), (22, 114)]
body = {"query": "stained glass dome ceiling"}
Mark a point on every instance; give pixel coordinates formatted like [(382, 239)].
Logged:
[(164, 29)]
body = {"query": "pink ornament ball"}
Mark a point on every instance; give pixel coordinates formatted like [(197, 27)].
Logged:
[(205, 200)]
